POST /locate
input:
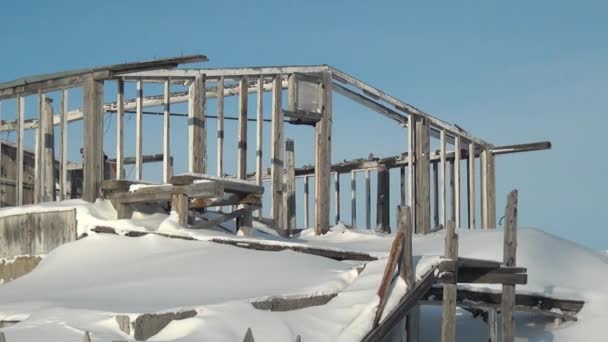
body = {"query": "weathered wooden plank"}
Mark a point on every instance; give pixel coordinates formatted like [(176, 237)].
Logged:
[(490, 188), (197, 130), (259, 161), (435, 197), (120, 130), (509, 259), (289, 195), (244, 210), (448, 320), (48, 156), (383, 200), (229, 185), (408, 272), (276, 161), (353, 199), (492, 325), (63, 176), (368, 201), (306, 200), (93, 138), (422, 209), (20, 143), (139, 131), (402, 187), (323, 158), (179, 203), (220, 127), (457, 158), (387, 277), (241, 169), (442, 180), (337, 197), (248, 336), (167, 133), (471, 185), (38, 151)]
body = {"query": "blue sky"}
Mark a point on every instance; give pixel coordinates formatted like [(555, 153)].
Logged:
[(509, 72)]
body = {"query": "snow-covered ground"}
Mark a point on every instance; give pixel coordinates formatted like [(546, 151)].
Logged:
[(82, 285)]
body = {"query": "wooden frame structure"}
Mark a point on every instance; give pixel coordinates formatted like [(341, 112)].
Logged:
[(310, 91)]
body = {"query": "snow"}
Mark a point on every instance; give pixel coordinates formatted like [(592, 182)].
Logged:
[(80, 286)]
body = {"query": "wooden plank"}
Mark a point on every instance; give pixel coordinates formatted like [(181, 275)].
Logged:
[(276, 161), (482, 190), (337, 197), (248, 336), (306, 200), (120, 130), (368, 201), (457, 157), (448, 320), (225, 217), (179, 204), (387, 277), (229, 185), (48, 157), (197, 132), (492, 325), (323, 158), (383, 200), (289, 195), (407, 270), (38, 152), (220, 127), (20, 143), (509, 259), (138, 131), (353, 199), (490, 188), (411, 169), (241, 169), (402, 187), (166, 133), (63, 176), (471, 185), (442, 180), (259, 164), (422, 176), (435, 197), (93, 138)]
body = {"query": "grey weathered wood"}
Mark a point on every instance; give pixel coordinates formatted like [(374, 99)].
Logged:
[(120, 131), (435, 197), (353, 199), (306, 200), (509, 259), (490, 189), (288, 304), (411, 169), (448, 321), (422, 176), (48, 156), (368, 201), (323, 157), (492, 325), (442, 179), (452, 191), (387, 277), (276, 161), (229, 185), (457, 157), (289, 194), (337, 197), (93, 138), (38, 152), (20, 143), (259, 165), (86, 337), (402, 187), (139, 130), (63, 176), (471, 185), (408, 272), (167, 133), (220, 127), (180, 204), (248, 336), (244, 210), (242, 131), (197, 131), (383, 200)]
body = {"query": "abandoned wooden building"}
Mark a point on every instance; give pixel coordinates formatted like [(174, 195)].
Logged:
[(434, 194)]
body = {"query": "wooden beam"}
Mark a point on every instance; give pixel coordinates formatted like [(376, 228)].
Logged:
[(383, 200), (63, 176), (457, 157), (138, 131), (120, 130), (276, 161), (306, 200), (373, 105), (509, 259), (408, 271), (289, 194), (490, 189), (337, 197), (387, 277), (435, 197), (422, 177), (197, 131), (167, 133), (48, 156), (20, 143), (38, 151), (323, 158), (368, 201), (241, 168), (220, 127), (442, 180), (448, 320), (402, 187), (93, 138), (353, 199), (471, 185), (259, 164), (179, 204)]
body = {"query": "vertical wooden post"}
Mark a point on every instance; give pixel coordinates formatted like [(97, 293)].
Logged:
[(179, 203), (139, 116), (306, 199), (442, 179), (289, 194), (337, 197), (411, 163), (368, 201), (93, 137), (167, 132), (492, 325), (48, 147), (422, 217), (448, 321), (20, 143), (482, 189), (323, 157), (120, 131), (197, 134), (402, 187), (471, 184), (490, 189), (457, 157), (452, 191), (242, 130), (276, 161), (408, 272), (509, 259), (435, 187), (259, 135), (220, 127), (353, 199), (38, 151), (63, 177), (383, 200)]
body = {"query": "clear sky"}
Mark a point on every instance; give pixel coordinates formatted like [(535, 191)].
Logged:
[(509, 72)]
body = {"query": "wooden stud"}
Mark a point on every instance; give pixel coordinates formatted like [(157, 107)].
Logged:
[(63, 177), (289, 194), (411, 163), (306, 199), (242, 130), (138, 131), (435, 187), (276, 162), (48, 148), (448, 321), (452, 191), (353, 199), (408, 272), (20, 143), (387, 276), (383, 200), (492, 325), (482, 189), (220, 127), (457, 157), (38, 152), (93, 138), (197, 131), (509, 259), (120, 130), (180, 203), (323, 158), (368, 201), (248, 336), (402, 187), (422, 217), (471, 185), (259, 135), (490, 190), (167, 132), (337, 197), (442, 179)]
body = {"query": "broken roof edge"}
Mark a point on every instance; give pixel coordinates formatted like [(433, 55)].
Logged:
[(163, 63)]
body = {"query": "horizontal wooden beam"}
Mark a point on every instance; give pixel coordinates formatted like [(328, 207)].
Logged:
[(226, 72), (536, 146)]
